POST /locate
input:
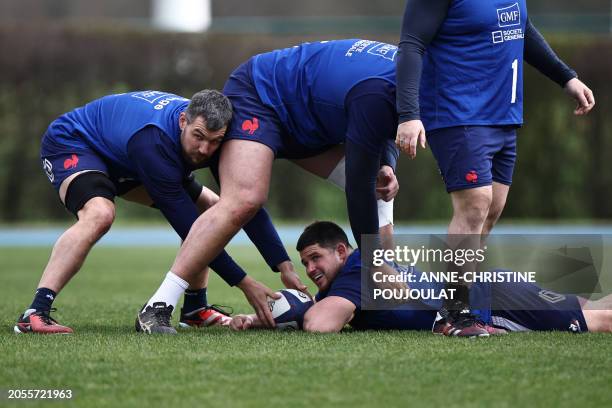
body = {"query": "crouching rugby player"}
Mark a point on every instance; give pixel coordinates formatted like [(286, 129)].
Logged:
[(294, 104), (141, 146), (335, 268)]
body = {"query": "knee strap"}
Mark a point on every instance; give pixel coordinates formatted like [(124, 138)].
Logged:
[(86, 186)]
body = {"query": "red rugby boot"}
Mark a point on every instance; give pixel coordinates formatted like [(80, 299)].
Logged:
[(33, 321), (459, 324), (207, 316)]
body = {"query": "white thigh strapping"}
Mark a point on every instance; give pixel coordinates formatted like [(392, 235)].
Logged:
[(385, 209)]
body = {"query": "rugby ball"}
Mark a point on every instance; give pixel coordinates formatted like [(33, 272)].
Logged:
[(288, 311)]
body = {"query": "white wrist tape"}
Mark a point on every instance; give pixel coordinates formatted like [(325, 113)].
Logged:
[(385, 213)]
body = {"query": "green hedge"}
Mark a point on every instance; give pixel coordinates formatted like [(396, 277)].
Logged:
[(564, 166)]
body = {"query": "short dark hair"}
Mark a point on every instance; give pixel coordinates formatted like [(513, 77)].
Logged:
[(214, 107), (325, 233)]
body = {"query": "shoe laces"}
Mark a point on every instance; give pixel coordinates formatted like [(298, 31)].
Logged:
[(466, 319), (163, 315), (224, 310), (45, 316)]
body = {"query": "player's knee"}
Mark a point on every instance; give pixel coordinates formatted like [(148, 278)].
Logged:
[(494, 213), (495, 210), (246, 206), (99, 214), (492, 217), (476, 210), (474, 216)]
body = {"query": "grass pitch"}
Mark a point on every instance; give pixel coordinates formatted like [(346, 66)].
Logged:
[(105, 363)]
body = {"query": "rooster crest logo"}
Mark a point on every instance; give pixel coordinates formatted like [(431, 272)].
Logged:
[(250, 125), (472, 176), (72, 162)]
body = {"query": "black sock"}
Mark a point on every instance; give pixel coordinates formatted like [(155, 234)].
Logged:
[(43, 299), (194, 299), (460, 301)]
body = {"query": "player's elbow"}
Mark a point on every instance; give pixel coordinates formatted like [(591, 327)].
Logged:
[(320, 325), (207, 199)]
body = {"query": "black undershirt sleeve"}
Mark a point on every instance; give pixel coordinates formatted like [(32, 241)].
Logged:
[(390, 154), (539, 55), (360, 189), (372, 124), (159, 167), (422, 20)]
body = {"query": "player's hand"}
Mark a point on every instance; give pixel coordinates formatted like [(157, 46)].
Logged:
[(386, 184), (576, 89), (241, 322), (291, 279), (257, 294), (390, 278), (409, 134)]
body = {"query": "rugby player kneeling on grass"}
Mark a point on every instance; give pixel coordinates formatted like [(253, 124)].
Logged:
[(335, 268)]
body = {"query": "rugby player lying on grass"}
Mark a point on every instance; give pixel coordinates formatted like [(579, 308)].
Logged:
[(335, 268)]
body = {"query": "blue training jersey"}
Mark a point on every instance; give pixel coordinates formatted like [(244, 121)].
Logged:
[(473, 68), (347, 284), (154, 158), (307, 85), (513, 305), (108, 124)]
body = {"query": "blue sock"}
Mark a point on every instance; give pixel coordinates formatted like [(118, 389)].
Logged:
[(43, 299), (194, 299)]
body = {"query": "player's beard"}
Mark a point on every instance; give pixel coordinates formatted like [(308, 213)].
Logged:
[(194, 162)]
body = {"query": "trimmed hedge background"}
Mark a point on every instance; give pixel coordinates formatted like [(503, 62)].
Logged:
[(564, 168)]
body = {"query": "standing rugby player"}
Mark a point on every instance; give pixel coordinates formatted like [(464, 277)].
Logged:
[(460, 79)]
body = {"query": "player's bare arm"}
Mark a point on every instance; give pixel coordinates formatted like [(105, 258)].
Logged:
[(329, 315)]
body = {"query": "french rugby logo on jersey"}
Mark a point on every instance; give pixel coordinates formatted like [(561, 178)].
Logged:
[(250, 125), (71, 162), (508, 17)]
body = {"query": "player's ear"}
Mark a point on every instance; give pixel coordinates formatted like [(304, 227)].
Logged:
[(182, 121), (342, 250)]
